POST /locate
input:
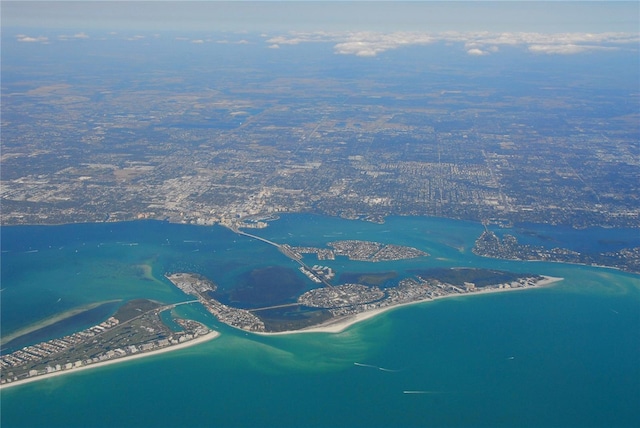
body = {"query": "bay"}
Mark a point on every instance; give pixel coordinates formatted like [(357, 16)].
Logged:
[(565, 355)]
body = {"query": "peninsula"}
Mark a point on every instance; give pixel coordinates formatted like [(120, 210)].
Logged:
[(490, 245)]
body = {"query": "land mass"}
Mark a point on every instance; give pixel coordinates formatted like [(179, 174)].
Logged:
[(325, 305), (78, 146), (135, 329), (490, 245)]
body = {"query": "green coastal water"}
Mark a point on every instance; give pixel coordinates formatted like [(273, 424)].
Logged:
[(565, 356)]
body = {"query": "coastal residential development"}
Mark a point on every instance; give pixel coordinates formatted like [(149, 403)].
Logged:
[(352, 299), (200, 287), (135, 329), (490, 245), (368, 251)]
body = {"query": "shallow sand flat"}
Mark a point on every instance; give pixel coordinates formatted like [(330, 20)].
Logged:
[(337, 325), (209, 336)]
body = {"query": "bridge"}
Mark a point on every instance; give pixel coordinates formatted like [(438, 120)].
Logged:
[(240, 232), (173, 305), (285, 305), (282, 249)]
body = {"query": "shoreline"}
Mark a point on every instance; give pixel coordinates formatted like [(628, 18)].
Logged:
[(338, 325), (201, 339)]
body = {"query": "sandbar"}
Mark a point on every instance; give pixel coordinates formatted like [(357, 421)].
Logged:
[(339, 324), (51, 320), (201, 339)]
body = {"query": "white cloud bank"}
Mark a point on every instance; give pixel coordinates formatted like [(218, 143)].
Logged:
[(477, 52), (28, 39), (77, 36), (369, 44)]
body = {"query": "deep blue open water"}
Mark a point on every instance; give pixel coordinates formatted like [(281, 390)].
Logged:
[(563, 356)]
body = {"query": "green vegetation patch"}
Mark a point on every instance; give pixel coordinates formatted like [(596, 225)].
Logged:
[(292, 318), (374, 279), (135, 308)]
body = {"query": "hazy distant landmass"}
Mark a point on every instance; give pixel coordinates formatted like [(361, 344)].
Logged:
[(177, 133)]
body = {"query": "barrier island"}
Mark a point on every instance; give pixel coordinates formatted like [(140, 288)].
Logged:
[(345, 304), (135, 330)]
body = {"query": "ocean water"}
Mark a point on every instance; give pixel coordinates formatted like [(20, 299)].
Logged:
[(562, 356)]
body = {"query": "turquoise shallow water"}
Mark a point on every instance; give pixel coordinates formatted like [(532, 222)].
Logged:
[(565, 356)]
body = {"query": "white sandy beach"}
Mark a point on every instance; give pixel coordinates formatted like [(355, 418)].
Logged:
[(338, 325), (209, 336)]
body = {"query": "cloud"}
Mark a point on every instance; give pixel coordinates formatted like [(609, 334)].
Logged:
[(567, 49), (81, 35), (370, 44), (232, 42), (296, 37), (476, 49), (558, 43), (357, 48), (477, 52), (27, 39)]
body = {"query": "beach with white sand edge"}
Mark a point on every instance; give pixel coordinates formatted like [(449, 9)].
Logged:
[(200, 339), (337, 325)]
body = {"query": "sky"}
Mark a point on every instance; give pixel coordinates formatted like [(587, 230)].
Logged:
[(424, 16)]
